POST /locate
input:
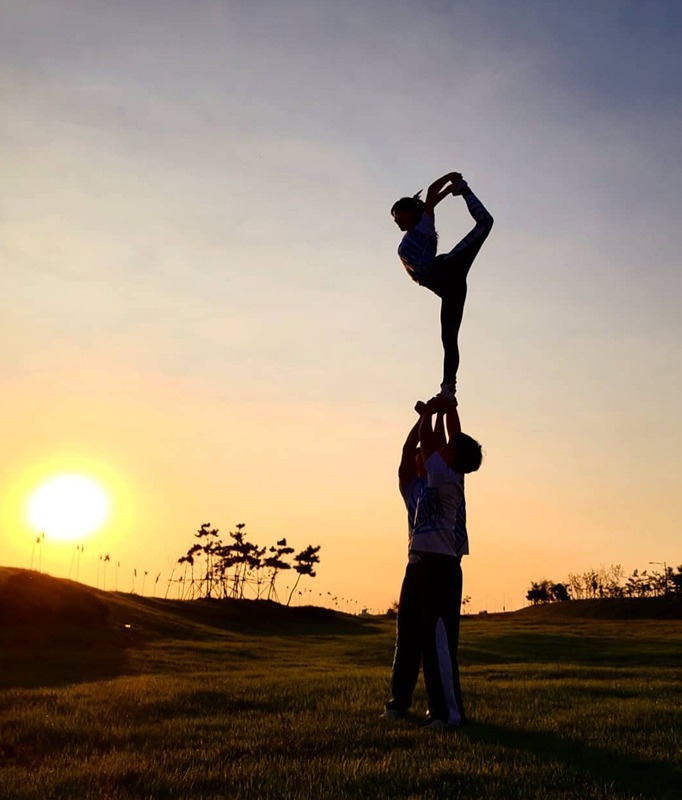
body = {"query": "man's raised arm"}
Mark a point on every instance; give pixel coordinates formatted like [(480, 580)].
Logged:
[(439, 430), (408, 468), (432, 439), (452, 422)]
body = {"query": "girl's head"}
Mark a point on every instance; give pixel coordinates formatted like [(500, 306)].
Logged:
[(407, 212)]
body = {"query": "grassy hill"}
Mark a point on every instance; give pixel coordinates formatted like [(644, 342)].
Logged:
[(115, 696), (93, 634), (40, 605), (33, 598), (607, 608)]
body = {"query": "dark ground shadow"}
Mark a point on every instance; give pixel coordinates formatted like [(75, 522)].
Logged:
[(49, 659), (624, 775), (565, 647)]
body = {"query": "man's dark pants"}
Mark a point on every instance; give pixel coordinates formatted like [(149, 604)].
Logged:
[(428, 629)]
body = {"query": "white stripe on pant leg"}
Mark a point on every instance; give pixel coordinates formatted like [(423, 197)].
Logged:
[(445, 671)]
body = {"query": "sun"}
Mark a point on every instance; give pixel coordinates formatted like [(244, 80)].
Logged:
[(68, 507)]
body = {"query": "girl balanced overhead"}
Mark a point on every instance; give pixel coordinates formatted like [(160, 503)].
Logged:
[(446, 274)]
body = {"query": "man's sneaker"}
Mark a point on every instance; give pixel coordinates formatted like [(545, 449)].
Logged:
[(393, 714)]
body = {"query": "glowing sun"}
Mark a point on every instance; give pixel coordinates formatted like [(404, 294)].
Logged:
[(68, 507)]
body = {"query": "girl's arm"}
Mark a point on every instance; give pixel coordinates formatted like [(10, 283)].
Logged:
[(436, 192)]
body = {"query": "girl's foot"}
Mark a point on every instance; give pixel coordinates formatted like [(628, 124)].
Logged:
[(448, 390)]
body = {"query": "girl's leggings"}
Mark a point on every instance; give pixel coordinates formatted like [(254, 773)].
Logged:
[(448, 279)]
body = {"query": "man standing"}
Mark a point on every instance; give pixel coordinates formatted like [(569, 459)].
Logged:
[(432, 589), (408, 641)]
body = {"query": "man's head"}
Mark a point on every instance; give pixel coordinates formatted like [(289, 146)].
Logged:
[(463, 454), (407, 212)]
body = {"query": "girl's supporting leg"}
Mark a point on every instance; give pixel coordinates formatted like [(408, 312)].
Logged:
[(451, 313), (448, 281)]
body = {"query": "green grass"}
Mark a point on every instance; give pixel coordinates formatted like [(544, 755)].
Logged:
[(208, 700)]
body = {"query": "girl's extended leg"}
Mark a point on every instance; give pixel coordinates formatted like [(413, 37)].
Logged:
[(464, 252)]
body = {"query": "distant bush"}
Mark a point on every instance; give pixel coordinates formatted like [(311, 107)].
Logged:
[(608, 582)]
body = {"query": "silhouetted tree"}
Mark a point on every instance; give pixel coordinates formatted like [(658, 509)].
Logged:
[(609, 582), (304, 565), (210, 534), (676, 580), (638, 584), (231, 568), (662, 583), (539, 592), (246, 559), (559, 592), (276, 563)]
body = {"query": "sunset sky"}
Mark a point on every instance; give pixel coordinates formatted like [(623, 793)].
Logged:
[(203, 307)]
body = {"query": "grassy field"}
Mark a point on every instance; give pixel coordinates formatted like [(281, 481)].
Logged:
[(251, 700)]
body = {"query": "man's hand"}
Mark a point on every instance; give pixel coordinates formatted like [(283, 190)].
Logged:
[(428, 436), (441, 404), (408, 469)]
